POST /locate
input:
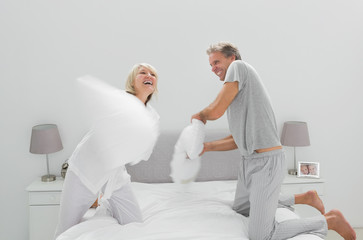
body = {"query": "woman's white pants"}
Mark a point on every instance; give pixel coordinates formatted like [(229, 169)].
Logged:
[(77, 199)]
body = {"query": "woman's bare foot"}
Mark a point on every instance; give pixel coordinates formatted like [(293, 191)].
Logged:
[(338, 223), (310, 198)]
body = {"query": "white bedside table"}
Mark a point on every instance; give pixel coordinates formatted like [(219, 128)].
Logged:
[(44, 200), (295, 185)]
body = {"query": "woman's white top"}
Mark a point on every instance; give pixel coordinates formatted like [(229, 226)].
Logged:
[(127, 135)]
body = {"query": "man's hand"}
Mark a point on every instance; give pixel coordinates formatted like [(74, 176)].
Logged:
[(204, 149), (199, 117)]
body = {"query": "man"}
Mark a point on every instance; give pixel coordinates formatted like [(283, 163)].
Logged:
[(254, 132)]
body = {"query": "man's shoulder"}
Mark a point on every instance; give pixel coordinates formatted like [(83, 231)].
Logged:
[(242, 65), (239, 64)]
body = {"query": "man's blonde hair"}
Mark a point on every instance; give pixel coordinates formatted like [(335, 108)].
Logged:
[(226, 48), (129, 86)]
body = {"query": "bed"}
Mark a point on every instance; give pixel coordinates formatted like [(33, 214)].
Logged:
[(199, 210)]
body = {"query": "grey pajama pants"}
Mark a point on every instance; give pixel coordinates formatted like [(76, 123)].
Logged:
[(77, 199), (258, 196)]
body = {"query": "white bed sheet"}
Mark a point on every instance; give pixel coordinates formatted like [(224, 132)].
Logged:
[(200, 210)]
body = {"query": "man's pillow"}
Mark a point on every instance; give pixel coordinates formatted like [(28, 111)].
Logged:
[(185, 164)]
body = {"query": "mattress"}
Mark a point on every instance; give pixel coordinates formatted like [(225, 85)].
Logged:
[(199, 210)]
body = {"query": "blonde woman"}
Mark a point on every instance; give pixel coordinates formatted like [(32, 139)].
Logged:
[(98, 162)]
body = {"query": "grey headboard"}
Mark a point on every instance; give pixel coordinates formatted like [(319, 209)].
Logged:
[(215, 165)]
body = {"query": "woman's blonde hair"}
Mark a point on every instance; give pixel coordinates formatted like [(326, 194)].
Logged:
[(129, 86)]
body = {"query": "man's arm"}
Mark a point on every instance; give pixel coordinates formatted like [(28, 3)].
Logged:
[(224, 144), (217, 108)]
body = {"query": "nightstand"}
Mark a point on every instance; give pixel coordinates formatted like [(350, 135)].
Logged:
[(44, 200), (295, 185)]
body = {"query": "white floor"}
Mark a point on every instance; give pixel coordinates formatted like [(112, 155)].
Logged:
[(334, 236)]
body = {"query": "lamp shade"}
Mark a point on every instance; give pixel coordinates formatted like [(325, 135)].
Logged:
[(295, 134), (45, 139)]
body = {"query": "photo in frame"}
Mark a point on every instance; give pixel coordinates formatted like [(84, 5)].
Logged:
[(309, 169)]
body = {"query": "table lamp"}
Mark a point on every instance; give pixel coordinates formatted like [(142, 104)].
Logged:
[(45, 139), (295, 134)]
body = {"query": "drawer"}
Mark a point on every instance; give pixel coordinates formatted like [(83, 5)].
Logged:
[(301, 188), (44, 198), (43, 221)]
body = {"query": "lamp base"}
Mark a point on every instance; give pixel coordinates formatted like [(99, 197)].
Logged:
[(292, 172), (48, 178)]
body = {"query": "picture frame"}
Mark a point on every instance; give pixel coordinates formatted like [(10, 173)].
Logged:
[(308, 170)]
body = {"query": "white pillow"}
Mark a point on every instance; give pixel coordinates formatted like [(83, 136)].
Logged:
[(185, 164), (123, 131)]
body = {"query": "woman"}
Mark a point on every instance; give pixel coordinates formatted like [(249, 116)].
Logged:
[(97, 165)]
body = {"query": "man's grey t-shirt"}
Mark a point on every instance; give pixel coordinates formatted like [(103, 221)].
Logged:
[(250, 116)]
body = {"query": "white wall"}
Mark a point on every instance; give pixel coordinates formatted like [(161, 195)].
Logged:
[(308, 53)]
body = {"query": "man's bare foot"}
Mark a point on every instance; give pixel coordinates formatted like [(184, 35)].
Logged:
[(338, 223), (310, 198)]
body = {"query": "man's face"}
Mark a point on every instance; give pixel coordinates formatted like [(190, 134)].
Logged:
[(220, 64)]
